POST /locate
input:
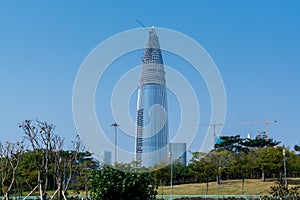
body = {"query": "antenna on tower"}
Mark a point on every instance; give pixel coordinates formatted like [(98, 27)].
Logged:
[(140, 23)]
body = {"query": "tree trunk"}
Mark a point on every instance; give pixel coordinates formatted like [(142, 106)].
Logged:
[(44, 197), (206, 192), (280, 177), (40, 184), (218, 179), (11, 185), (86, 189), (46, 184), (263, 176), (243, 184), (162, 183), (6, 196), (60, 193)]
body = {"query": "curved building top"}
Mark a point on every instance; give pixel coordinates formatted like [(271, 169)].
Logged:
[(152, 68)]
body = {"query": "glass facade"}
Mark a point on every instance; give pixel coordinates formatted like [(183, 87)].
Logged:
[(178, 151), (152, 113), (106, 157)]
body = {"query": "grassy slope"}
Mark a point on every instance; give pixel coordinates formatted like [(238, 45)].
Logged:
[(232, 187)]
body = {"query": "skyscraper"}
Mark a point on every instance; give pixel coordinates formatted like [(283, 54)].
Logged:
[(152, 113)]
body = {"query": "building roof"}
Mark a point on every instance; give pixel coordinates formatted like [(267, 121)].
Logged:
[(152, 68)]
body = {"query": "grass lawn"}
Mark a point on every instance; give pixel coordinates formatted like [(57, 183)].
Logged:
[(227, 187)]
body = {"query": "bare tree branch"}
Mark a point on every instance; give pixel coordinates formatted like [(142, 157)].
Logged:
[(10, 157)]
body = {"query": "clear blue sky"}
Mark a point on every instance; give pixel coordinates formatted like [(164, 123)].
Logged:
[(255, 44)]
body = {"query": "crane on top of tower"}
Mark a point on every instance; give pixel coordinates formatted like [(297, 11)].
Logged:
[(140, 23)]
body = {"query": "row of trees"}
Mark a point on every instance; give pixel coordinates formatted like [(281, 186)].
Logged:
[(39, 163), (235, 158)]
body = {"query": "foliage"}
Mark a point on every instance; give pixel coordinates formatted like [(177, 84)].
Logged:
[(27, 171), (46, 165), (270, 160), (54, 167), (204, 198), (243, 164), (180, 172), (238, 144), (10, 157), (44, 142), (281, 191), (82, 170), (230, 143), (210, 165), (260, 142), (162, 175), (110, 184), (293, 162)]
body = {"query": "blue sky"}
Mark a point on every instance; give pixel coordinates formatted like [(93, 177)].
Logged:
[(255, 45)]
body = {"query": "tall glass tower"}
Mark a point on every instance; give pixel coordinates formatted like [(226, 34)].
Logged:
[(152, 113)]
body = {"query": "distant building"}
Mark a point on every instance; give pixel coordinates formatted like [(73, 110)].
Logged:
[(178, 151), (261, 135), (107, 157)]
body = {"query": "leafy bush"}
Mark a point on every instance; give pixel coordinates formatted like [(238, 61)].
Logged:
[(110, 184), (283, 192)]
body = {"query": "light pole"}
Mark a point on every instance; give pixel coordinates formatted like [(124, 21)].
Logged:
[(284, 165), (115, 125), (171, 181)]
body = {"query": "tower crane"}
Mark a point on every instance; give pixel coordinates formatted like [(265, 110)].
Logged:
[(140, 23), (214, 128), (267, 122)]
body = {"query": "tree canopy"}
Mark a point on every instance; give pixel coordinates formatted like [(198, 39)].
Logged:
[(238, 144)]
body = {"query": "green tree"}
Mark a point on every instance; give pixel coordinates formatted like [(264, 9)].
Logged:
[(180, 172), (63, 166), (27, 172), (270, 161), (41, 138), (230, 143), (205, 167), (162, 174), (82, 170), (260, 142), (292, 163), (238, 144), (242, 164), (110, 184)]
